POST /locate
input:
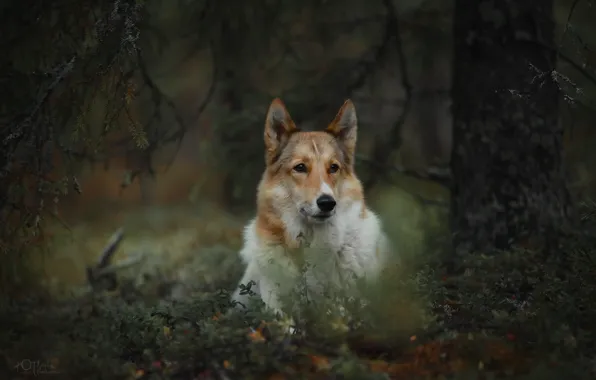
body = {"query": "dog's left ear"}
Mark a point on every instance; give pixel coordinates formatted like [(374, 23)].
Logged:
[(345, 127)]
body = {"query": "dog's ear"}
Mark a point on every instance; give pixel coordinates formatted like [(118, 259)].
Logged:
[(345, 127), (278, 129)]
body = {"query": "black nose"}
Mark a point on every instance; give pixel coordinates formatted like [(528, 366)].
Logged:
[(326, 203)]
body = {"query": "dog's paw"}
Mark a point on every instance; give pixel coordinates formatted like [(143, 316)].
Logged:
[(342, 311), (287, 323)]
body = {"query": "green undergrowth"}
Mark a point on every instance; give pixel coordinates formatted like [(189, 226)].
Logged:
[(520, 313)]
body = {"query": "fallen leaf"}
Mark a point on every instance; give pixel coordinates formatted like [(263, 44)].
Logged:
[(321, 363), (256, 335), (378, 366)]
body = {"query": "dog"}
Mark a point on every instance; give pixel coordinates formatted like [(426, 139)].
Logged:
[(312, 219)]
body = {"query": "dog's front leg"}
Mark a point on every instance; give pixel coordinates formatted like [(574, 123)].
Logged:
[(251, 274), (271, 294)]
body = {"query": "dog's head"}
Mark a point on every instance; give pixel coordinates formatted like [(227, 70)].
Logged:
[(311, 173)]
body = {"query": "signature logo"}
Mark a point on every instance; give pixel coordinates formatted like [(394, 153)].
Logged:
[(37, 367)]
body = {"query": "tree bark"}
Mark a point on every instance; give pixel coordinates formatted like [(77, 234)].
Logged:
[(507, 159)]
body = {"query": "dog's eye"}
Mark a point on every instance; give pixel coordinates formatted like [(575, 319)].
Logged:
[(300, 168), (333, 168)]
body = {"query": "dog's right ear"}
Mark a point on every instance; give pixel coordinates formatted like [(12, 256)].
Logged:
[(278, 129)]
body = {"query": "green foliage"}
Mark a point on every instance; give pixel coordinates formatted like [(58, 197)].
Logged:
[(58, 59), (540, 305)]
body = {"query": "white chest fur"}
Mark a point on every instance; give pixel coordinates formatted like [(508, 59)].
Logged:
[(331, 255)]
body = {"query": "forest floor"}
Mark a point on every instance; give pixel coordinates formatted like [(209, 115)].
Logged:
[(517, 314)]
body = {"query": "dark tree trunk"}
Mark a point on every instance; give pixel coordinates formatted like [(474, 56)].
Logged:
[(508, 182)]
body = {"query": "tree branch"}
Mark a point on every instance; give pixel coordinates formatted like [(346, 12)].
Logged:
[(383, 146), (204, 103)]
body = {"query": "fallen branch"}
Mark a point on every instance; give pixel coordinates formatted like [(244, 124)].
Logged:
[(97, 276), (121, 265)]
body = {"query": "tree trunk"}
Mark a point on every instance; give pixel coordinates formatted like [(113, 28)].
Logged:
[(507, 167)]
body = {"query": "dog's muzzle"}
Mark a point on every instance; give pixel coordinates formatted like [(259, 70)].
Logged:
[(325, 209), (322, 216), (316, 217)]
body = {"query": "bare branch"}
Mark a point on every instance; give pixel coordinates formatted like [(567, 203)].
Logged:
[(384, 145), (95, 275), (110, 249), (177, 136), (568, 23), (561, 55)]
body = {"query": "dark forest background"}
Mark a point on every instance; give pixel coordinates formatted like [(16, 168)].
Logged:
[(141, 122)]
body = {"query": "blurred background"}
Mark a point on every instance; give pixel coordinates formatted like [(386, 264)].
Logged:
[(165, 104)]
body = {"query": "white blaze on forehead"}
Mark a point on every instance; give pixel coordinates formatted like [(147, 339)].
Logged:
[(325, 188), (315, 148)]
